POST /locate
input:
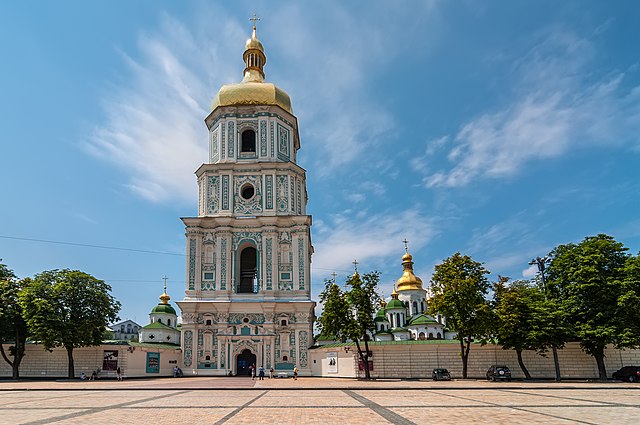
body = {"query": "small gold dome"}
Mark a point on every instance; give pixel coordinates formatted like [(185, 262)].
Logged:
[(254, 43), (164, 298), (408, 280)]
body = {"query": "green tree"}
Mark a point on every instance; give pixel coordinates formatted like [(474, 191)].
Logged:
[(459, 285), (628, 302), (13, 327), (68, 308), (586, 278), (525, 319), (348, 314)]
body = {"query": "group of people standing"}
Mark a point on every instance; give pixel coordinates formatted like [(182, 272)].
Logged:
[(260, 372)]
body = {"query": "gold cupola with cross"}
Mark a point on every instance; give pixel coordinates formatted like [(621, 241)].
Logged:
[(408, 280)]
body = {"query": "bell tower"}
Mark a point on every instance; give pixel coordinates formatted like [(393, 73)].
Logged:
[(249, 249)]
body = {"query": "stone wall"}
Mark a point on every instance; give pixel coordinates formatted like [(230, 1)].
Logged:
[(413, 359), (39, 363)]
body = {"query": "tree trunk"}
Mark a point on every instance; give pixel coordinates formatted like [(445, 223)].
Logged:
[(556, 363), (527, 375), (72, 372), (599, 356), (465, 355), (364, 357), (4, 355)]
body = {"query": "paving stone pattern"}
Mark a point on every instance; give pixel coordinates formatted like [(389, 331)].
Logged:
[(217, 401)]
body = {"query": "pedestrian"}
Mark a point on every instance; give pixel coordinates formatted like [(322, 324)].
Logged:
[(270, 373), (119, 374), (295, 373), (252, 368), (83, 376), (94, 376), (175, 371), (261, 373)]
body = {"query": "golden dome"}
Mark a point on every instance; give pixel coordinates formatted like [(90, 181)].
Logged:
[(408, 280), (252, 90)]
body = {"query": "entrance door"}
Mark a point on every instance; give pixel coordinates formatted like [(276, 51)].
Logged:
[(245, 359)]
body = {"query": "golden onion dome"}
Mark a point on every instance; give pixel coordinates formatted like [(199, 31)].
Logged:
[(253, 90), (164, 298), (408, 280)]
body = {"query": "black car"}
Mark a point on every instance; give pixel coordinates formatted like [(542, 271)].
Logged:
[(496, 372), (628, 373), (441, 375)]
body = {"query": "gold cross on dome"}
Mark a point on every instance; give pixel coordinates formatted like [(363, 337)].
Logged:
[(334, 274), (406, 247), (165, 282), (355, 264), (254, 19)]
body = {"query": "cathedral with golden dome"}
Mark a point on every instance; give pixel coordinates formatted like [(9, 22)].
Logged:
[(405, 316)]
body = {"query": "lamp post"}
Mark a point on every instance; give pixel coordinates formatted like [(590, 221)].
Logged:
[(541, 263)]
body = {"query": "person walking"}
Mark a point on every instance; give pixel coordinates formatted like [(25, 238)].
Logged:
[(261, 373), (253, 372), (295, 373), (119, 374), (270, 373)]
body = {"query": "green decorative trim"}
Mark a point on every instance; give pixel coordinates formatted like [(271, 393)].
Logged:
[(225, 192), (192, 264), (263, 138), (231, 138)]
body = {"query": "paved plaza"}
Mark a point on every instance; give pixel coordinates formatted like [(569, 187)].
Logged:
[(323, 401)]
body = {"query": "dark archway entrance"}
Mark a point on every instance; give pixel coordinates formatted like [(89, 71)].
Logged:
[(245, 359), (248, 269)]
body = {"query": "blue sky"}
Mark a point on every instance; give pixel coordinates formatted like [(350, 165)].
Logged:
[(499, 129)]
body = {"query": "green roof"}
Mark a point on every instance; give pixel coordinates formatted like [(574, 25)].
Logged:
[(157, 345), (163, 308), (422, 319), (405, 342), (395, 304), (399, 330), (158, 325)]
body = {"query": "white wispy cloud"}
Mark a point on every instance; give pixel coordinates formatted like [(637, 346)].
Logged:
[(368, 239), (557, 106), (153, 127)]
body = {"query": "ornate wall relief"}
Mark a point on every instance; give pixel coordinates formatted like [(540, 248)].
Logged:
[(192, 264), (302, 345), (213, 199), (231, 132), (214, 145), (301, 263), (263, 138), (269, 265), (283, 142), (188, 347), (282, 193), (243, 204), (269, 191), (223, 264), (225, 192)]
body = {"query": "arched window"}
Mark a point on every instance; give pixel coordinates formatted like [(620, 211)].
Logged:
[(421, 336), (159, 320), (283, 322), (168, 322), (248, 263), (415, 308), (438, 335), (248, 143), (430, 335), (285, 358)]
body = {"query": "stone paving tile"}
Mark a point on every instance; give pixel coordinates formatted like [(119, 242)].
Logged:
[(306, 398), (20, 416), (480, 415), (152, 416), (202, 398), (415, 398), (522, 399), (601, 415), (310, 416), (631, 398)]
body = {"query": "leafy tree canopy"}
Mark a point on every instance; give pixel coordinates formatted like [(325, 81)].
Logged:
[(68, 308)]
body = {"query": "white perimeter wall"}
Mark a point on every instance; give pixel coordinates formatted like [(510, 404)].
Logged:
[(41, 363), (418, 360)]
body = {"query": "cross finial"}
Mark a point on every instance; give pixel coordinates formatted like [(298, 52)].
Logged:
[(406, 246), (165, 283), (355, 265), (254, 19), (334, 274)]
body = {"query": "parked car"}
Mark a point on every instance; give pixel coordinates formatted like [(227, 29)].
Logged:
[(628, 373), (441, 375), (496, 372)]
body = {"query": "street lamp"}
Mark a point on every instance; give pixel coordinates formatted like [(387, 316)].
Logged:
[(541, 263)]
